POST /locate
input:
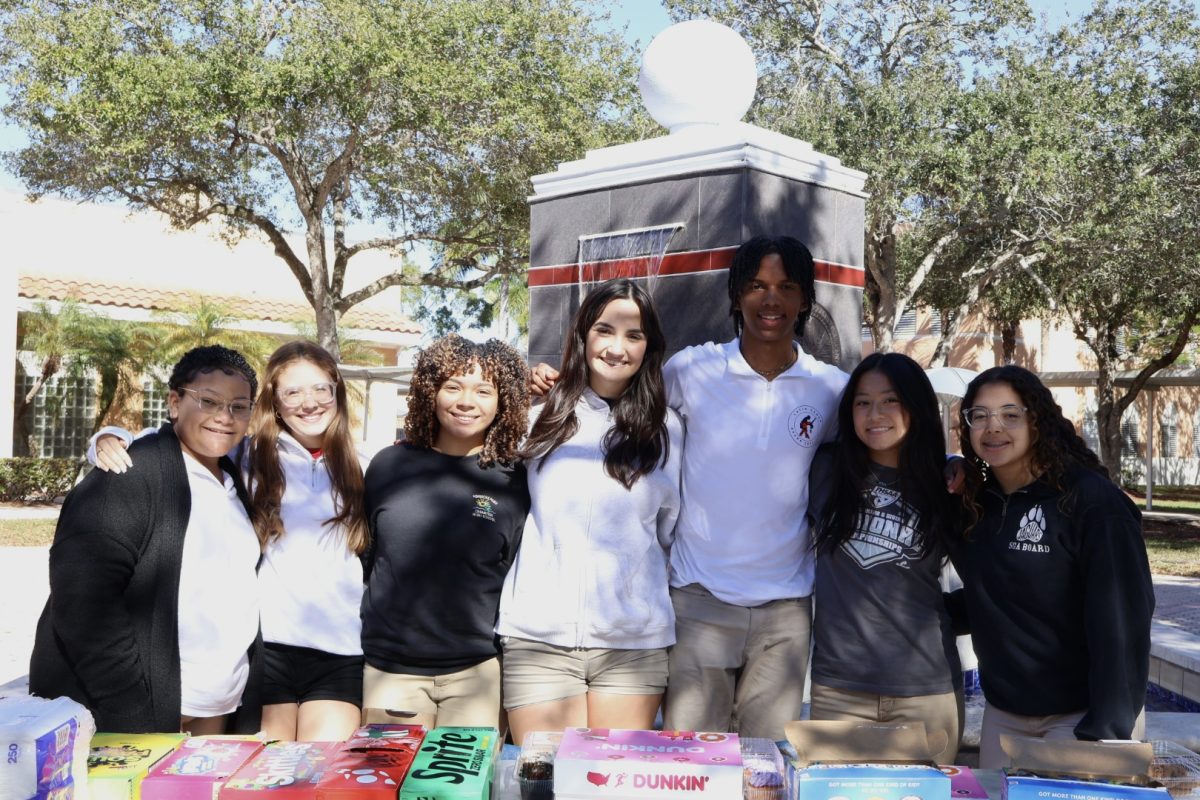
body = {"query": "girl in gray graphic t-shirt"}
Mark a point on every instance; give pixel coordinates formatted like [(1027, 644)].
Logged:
[(884, 647)]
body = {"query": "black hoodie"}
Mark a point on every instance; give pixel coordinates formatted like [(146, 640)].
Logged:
[(1060, 598)]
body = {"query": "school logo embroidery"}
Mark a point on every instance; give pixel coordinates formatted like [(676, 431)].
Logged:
[(803, 424), (485, 507), (1030, 531), (882, 497)]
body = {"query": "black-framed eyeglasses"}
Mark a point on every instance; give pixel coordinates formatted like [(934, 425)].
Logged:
[(212, 405), (294, 396), (1010, 416)]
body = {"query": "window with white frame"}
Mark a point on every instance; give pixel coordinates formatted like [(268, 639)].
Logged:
[(154, 403), (61, 418), (1168, 432), (1090, 429), (1131, 422)]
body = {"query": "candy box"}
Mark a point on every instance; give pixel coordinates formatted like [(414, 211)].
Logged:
[(45, 746), (198, 769), (118, 762), (963, 784), (604, 763), (453, 763), (1052, 769), (287, 769), (372, 763), (387, 736), (365, 773), (863, 761)]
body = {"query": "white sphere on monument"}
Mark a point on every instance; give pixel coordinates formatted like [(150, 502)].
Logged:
[(697, 74)]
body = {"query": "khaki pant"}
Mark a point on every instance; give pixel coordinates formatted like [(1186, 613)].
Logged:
[(470, 697), (1051, 726), (942, 714), (734, 668)]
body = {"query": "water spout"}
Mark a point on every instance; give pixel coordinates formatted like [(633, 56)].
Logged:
[(632, 253)]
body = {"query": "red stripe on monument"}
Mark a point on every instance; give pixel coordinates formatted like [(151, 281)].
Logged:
[(691, 262)]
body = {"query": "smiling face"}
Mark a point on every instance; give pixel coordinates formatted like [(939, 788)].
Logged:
[(1007, 451), (304, 383), (208, 436), (880, 420), (466, 407), (616, 346), (770, 303)]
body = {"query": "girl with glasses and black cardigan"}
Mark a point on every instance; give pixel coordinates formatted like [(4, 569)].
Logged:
[(152, 620), (1057, 582)]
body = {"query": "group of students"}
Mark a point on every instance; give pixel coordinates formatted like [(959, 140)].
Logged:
[(652, 519)]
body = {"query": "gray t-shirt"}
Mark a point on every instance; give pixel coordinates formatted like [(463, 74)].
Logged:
[(881, 624)]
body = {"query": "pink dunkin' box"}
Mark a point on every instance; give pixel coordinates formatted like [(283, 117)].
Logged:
[(198, 769), (632, 765)]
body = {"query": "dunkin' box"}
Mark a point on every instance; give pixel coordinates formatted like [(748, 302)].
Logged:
[(863, 761), (286, 769), (613, 763), (453, 763), (1051, 769), (372, 763), (198, 769), (117, 762)]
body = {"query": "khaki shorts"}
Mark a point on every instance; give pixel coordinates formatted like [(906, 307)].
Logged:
[(469, 697), (535, 672), (942, 714), (1051, 726)]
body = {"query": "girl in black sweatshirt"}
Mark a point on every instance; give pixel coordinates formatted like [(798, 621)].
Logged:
[(1057, 582)]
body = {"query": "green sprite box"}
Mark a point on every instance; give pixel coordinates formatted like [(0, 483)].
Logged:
[(453, 764)]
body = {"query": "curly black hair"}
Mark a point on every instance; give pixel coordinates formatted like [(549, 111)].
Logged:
[(1056, 447), (501, 364), (207, 359)]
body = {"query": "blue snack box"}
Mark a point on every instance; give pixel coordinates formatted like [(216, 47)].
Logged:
[(869, 782), (1027, 787)]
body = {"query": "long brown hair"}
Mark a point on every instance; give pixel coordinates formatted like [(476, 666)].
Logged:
[(337, 446), (638, 442)]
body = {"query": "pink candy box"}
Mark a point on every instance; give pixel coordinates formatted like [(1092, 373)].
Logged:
[(604, 763), (198, 769)]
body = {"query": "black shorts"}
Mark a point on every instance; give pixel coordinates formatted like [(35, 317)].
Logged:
[(299, 674)]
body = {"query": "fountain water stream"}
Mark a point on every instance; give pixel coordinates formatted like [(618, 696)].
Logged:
[(632, 253)]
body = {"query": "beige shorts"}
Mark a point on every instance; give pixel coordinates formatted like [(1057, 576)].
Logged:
[(469, 697), (535, 672), (942, 714)]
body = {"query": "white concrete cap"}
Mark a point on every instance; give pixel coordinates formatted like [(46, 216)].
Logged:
[(697, 73)]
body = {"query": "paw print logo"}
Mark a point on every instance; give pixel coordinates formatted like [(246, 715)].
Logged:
[(1032, 525)]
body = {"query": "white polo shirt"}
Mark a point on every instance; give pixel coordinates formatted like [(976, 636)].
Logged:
[(218, 596), (742, 532)]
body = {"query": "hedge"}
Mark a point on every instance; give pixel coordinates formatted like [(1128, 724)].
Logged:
[(36, 480)]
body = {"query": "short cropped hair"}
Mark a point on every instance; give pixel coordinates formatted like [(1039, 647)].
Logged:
[(208, 359)]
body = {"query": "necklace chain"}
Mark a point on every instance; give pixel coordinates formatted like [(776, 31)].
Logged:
[(771, 372)]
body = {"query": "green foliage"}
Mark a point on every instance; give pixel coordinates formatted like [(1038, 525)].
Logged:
[(36, 480), (370, 124), (206, 322)]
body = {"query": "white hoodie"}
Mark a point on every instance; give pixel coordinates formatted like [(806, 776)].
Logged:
[(592, 567)]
